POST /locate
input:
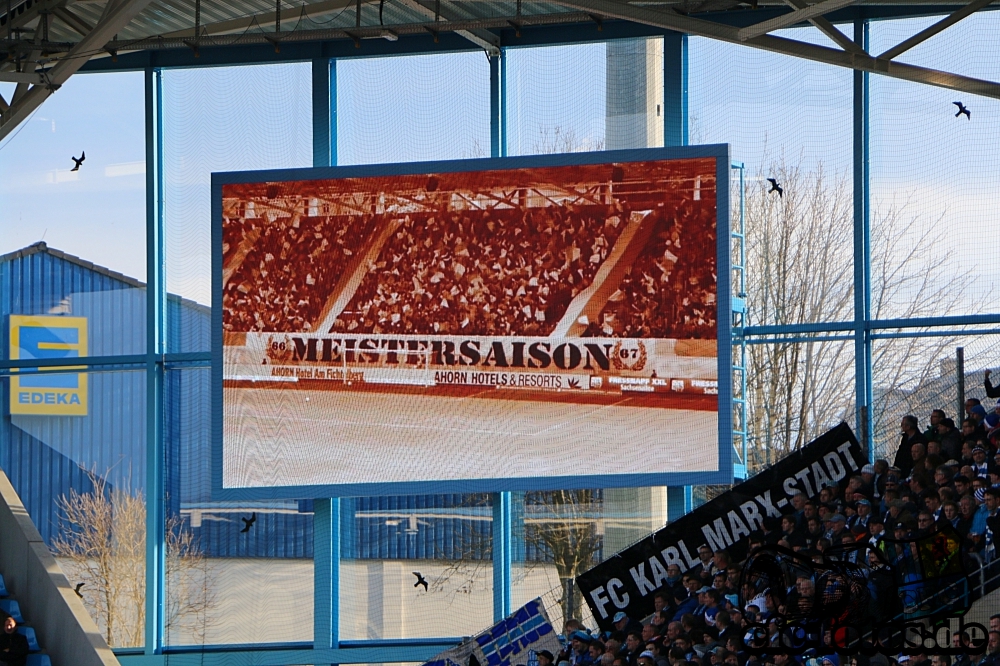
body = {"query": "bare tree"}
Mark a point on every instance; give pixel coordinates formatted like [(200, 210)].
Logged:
[(563, 524), (102, 544), (559, 140), (800, 269)]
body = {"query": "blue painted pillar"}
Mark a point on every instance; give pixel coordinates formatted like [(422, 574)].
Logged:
[(326, 512), (679, 502), (675, 133), (498, 106), (155, 348), (326, 573), (502, 554), (324, 110), (862, 248), (675, 93), (503, 537)]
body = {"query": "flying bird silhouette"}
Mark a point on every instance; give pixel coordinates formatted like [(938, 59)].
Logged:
[(248, 522), (420, 580), (962, 109), (83, 156), (77, 590), (775, 187)]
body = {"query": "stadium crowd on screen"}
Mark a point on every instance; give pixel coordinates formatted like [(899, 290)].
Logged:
[(943, 473), (498, 271)]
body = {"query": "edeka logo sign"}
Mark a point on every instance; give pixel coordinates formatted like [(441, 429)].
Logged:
[(48, 393)]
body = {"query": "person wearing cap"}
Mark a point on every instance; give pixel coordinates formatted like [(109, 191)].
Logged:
[(876, 530), (862, 514), (835, 526), (13, 646), (545, 658), (978, 414), (625, 624), (980, 465), (579, 643), (646, 658), (950, 438)]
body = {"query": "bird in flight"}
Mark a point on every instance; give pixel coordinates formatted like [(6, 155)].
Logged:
[(775, 187), (962, 109), (77, 590), (420, 580), (248, 522), (83, 156)]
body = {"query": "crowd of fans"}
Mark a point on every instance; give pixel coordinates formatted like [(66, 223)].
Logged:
[(290, 268), (500, 271), (940, 475), (670, 290)]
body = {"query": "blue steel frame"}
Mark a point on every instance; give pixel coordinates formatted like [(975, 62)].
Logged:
[(722, 474), (327, 647)]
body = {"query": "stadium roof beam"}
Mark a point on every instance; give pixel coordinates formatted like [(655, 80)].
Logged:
[(481, 37), (21, 20), (116, 16), (930, 31), (798, 16), (266, 20), (671, 20), (830, 30), (72, 20)]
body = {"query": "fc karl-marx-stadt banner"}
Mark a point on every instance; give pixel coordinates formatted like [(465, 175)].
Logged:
[(628, 581), (474, 325)]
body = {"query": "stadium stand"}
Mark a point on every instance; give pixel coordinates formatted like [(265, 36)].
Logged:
[(703, 617), (43, 595), (670, 289), (286, 268), (433, 277)]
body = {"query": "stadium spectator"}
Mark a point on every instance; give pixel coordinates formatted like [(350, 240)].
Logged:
[(13, 646), (991, 391), (910, 436)]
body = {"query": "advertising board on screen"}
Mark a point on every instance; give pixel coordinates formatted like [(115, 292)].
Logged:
[(499, 324)]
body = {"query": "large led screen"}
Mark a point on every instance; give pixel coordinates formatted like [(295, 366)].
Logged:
[(521, 327)]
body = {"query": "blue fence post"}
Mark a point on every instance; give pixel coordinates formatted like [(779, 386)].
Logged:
[(498, 106), (679, 502), (675, 84), (155, 348), (326, 511), (862, 249), (326, 573), (502, 554)]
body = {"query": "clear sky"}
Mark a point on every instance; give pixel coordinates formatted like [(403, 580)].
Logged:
[(436, 107)]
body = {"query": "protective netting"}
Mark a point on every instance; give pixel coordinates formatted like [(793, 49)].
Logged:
[(933, 194), (386, 107), (222, 119)]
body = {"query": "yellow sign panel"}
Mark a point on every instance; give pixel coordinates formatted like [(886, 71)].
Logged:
[(46, 392)]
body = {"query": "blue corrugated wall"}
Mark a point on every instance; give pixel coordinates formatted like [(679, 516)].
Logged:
[(43, 455)]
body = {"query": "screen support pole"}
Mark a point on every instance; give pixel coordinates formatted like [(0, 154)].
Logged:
[(155, 349), (326, 511), (502, 554), (862, 250)]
